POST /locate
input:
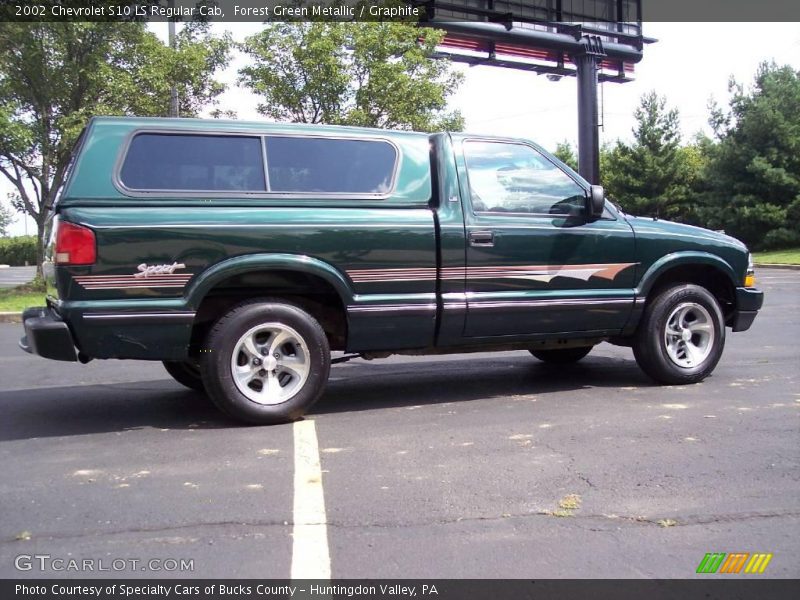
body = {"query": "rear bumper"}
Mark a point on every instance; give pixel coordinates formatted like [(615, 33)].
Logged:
[(47, 335), (748, 303)]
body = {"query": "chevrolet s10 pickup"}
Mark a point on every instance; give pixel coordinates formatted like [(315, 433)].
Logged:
[(242, 254)]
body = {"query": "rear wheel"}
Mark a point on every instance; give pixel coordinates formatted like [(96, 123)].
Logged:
[(186, 373), (681, 336), (562, 356), (266, 362)]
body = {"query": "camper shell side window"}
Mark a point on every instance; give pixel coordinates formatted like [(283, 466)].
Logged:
[(283, 165)]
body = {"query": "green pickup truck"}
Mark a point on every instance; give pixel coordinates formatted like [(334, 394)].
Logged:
[(243, 254)]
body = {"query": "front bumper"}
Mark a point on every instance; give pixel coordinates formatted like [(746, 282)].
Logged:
[(47, 335), (748, 303)]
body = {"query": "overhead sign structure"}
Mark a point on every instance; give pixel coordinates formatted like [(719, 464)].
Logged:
[(594, 40)]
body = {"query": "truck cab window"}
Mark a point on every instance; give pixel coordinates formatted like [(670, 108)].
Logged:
[(515, 178)]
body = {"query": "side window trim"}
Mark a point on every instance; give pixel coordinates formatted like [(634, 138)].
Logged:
[(265, 161), (526, 144), (266, 195)]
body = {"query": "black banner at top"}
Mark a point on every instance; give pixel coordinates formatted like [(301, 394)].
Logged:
[(530, 11)]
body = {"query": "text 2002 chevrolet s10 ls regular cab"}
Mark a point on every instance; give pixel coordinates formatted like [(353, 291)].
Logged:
[(242, 254)]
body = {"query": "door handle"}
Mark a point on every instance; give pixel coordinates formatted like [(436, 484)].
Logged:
[(481, 239)]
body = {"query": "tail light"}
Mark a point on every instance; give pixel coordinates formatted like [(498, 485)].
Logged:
[(75, 244)]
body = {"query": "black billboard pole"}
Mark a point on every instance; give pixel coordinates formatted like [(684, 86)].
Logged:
[(587, 51), (588, 60)]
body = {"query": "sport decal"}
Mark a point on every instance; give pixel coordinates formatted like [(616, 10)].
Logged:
[(146, 276)]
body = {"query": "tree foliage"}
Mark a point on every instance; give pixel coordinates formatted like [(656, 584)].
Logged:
[(6, 220), (364, 74), (754, 168), (653, 175), (566, 154), (55, 76)]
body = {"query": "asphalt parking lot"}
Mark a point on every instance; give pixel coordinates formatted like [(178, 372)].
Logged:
[(484, 465)]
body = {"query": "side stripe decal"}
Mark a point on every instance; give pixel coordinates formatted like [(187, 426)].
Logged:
[(543, 273), (119, 282), (490, 304)]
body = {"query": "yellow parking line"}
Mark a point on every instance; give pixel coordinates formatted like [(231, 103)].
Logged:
[(310, 554)]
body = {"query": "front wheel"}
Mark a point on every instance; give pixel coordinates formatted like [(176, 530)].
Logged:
[(562, 356), (265, 362), (681, 336)]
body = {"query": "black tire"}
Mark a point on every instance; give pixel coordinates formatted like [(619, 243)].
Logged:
[(650, 342), (186, 373), (562, 356), (218, 356)]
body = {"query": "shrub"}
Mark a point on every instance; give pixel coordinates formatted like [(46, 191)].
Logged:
[(15, 251), (781, 238)]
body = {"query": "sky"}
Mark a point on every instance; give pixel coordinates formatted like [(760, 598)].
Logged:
[(690, 64)]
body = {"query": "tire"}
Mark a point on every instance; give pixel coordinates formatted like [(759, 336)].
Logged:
[(562, 356), (265, 362), (660, 345), (186, 373)]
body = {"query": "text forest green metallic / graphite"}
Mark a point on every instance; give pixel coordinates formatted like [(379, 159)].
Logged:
[(414, 268)]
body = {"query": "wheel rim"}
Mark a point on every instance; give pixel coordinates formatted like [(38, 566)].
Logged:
[(689, 335), (270, 363)]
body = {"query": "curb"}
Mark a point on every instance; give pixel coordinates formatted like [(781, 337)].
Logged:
[(778, 266)]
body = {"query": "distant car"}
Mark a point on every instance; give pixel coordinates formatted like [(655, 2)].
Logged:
[(242, 254)]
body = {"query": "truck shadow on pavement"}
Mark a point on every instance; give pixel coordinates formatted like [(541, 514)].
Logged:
[(373, 386), (107, 408), (356, 386)]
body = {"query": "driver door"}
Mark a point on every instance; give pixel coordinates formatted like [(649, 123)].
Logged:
[(536, 264)]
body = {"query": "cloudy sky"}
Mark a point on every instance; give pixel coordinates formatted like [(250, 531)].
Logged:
[(690, 64)]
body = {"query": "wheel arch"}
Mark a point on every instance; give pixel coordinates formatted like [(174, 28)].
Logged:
[(313, 285), (699, 268)]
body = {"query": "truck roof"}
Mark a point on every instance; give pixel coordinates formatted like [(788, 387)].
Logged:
[(235, 124)]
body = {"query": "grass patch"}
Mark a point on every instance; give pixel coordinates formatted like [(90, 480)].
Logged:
[(779, 257), (570, 502), (21, 297), (667, 522), (566, 506)]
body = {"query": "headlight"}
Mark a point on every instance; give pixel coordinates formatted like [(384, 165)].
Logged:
[(750, 275)]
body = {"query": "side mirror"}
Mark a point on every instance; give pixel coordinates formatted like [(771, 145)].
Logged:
[(595, 201)]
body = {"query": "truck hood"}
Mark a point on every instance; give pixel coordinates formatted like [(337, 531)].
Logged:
[(647, 225)]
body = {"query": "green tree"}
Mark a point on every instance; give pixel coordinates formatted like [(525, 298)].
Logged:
[(365, 74), (754, 169), (566, 154), (55, 76), (654, 174), (6, 219)]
